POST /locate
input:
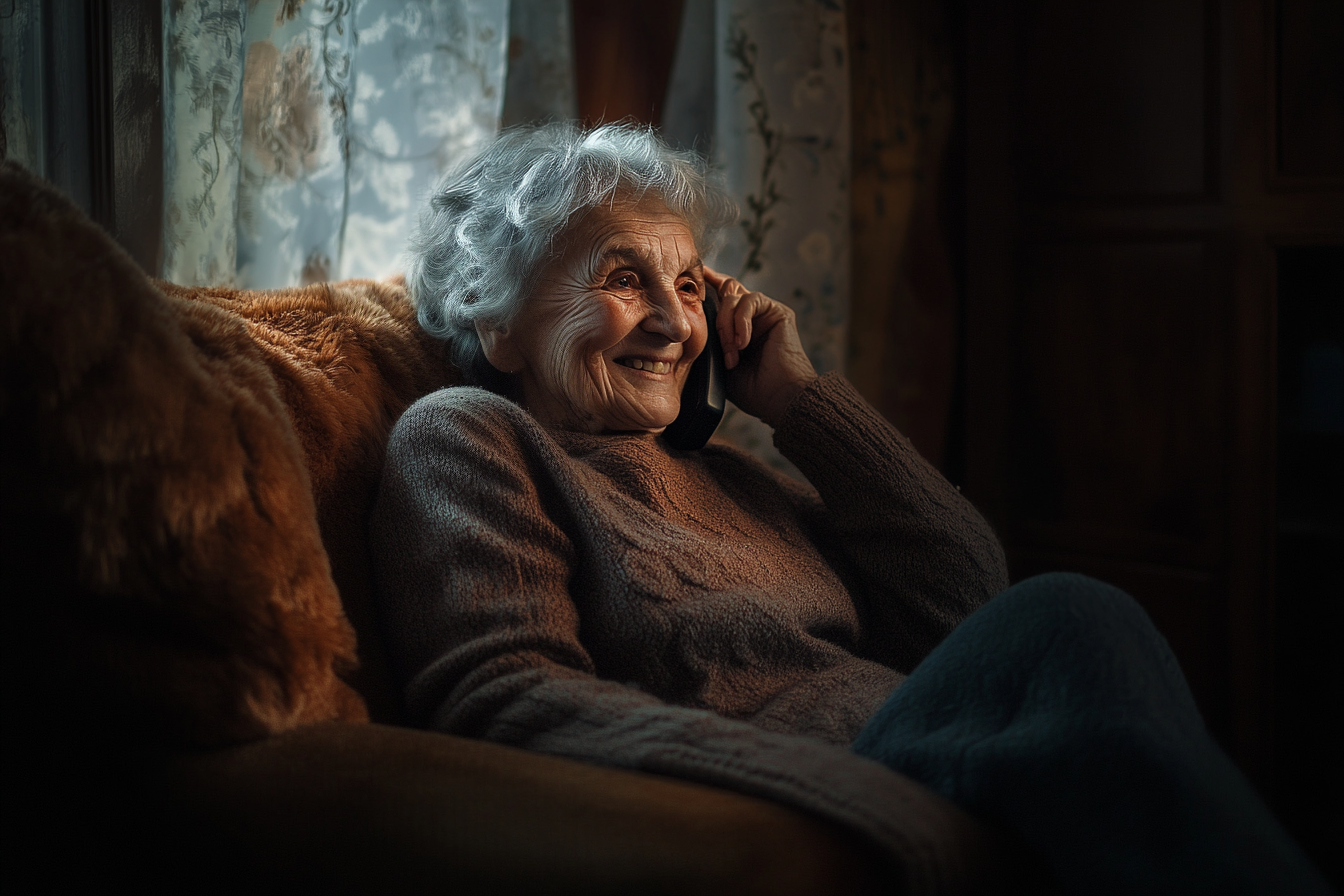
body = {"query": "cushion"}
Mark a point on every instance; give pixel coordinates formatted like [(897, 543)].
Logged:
[(164, 567)]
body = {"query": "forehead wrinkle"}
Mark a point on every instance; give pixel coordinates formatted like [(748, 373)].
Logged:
[(631, 253), (634, 235)]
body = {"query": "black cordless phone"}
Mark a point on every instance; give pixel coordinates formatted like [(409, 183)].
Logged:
[(704, 396)]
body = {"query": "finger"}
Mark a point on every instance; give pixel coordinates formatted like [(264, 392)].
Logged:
[(726, 321), (714, 277), (731, 294), (728, 339), (744, 314)]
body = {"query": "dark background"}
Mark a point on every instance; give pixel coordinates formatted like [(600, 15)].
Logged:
[(1098, 270)]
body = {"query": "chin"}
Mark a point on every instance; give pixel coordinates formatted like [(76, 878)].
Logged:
[(650, 425), (652, 421), (662, 422)]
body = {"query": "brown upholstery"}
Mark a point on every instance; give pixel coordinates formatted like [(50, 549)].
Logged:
[(497, 820)]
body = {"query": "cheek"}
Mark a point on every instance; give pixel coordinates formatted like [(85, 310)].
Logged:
[(699, 339), (578, 339), (699, 333)]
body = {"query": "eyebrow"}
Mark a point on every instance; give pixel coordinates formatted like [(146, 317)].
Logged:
[(632, 255)]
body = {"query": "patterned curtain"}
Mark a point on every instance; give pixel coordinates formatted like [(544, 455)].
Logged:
[(764, 84), (302, 136)]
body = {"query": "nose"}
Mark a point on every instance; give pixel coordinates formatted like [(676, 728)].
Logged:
[(667, 315)]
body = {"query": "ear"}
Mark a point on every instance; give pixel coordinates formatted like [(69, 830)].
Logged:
[(499, 348)]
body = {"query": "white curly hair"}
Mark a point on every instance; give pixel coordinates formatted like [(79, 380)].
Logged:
[(490, 226)]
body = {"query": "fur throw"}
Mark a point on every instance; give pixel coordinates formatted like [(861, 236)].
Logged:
[(163, 564), (348, 358)]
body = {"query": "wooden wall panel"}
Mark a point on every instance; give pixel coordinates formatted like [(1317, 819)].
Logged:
[(1114, 100), (1118, 422), (1310, 88)]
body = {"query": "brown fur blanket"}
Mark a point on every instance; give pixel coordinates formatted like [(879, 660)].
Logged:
[(348, 358), (164, 568)]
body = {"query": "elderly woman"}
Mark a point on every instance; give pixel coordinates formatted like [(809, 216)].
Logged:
[(555, 576)]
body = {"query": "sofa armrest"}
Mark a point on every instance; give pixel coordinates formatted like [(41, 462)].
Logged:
[(360, 808)]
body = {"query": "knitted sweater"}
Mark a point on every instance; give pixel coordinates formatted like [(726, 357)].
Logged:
[(614, 600)]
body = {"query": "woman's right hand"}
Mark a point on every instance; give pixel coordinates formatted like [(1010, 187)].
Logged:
[(762, 349)]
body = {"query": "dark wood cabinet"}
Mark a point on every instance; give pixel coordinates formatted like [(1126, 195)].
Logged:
[(1135, 171)]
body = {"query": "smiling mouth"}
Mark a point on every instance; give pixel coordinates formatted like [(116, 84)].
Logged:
[(644, 364)]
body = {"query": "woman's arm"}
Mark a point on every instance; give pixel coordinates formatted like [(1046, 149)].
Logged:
[(926, 559), (473, 571), (925, 556)]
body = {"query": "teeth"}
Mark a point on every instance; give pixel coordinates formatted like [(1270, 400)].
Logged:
[(650, 366)]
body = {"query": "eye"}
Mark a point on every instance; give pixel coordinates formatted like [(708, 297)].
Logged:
[(690, 289), (624, 280)]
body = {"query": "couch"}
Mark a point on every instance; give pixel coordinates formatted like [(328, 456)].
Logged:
[(196, 692)]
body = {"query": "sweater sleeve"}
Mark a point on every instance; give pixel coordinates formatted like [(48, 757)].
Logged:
[(925, 557), (473, 573)]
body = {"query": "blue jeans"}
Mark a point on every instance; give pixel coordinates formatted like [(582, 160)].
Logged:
[(1058, 712)]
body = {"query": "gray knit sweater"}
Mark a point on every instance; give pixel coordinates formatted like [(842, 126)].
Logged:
[(610, 599)]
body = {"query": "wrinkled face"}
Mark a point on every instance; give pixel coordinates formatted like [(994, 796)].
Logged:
[(605, 341)]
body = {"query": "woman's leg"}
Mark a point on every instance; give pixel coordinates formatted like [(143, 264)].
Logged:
[(1059, 711)]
